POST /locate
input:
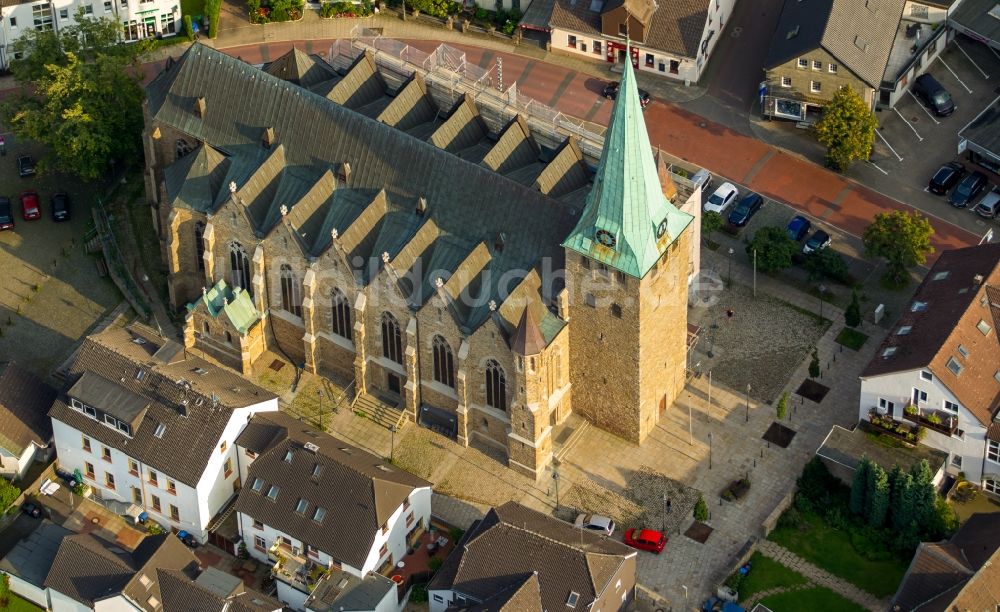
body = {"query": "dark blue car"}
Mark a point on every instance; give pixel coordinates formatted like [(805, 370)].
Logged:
[(798, 227), (747, 208)]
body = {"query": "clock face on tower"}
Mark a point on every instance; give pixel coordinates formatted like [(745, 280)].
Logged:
[(661, 229), (606, 238)]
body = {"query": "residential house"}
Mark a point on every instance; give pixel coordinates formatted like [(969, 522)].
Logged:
[(939, 367), (148, 423), (25, 429), (27, 563), (962, 573), (671, 39), (921, 36), (519, 559), (314, 504), (820, 46), (209, 590), (340, 590), (139, 19)]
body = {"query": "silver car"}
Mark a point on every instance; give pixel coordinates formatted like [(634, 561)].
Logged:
[(989, 206), (596, 522)]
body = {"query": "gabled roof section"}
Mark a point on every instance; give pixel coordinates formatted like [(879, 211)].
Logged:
[(514, 149), (257, 194), (528, 337), (356, 490), (180, 592), (235, 304), (627, 224), (411, 107), (956, 305), (566, 172), (301, 68), (677, 26), (194, 180), (362, 85), (464, 127), (24, 406), (308, 216)]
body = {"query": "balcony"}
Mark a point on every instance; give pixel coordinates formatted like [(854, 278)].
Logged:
[(294, 568), (937, 420)]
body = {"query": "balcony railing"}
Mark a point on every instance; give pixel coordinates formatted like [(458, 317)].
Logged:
[(942, 422), (294, 567)]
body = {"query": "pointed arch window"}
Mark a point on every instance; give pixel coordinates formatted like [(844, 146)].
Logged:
[(199, 243), (444, 362), (496, 385), (291, 300), (239, 267), (392, 343), (341, 314)]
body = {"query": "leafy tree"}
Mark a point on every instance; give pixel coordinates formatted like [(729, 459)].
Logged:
[(774, 249), (903, 239), (814, 365), (188, 27), (8, 493), (700, 509), (846, 129), (852, 316), (783, 406), (711, 222), (877, 496), (827, 263), (859, 485), (943, 520)]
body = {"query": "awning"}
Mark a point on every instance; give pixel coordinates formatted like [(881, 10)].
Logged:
[(438, 420)]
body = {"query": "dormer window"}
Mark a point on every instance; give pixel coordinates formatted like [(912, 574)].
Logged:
[(317, 470), (318, 514), (301, 506), (964, 352)]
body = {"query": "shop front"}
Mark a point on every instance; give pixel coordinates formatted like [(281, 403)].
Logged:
[(616, 53)]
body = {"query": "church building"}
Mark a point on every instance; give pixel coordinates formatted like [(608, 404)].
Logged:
[(461, 271)]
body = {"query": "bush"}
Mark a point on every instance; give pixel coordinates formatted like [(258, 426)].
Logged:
[(911, 410), (456, 534), (700, 509), (212, 8), (735, 581), (8, 493), (852, 316), (418, 594), (346, 9), (827, 264), (435, 8), (792, 518), (934, 419), (774, 249), (435, 564), (188, 28), (782, 409), (814, 365)]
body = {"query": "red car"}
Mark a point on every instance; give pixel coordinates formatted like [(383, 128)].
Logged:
[(646, 539), (30, 207)]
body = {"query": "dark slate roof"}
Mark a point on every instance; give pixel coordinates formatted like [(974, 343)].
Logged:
[(955, 304), (187, 442), (675, 27), (859, 33), (339, 590), (973, 14), (87, 568), (180, 593), (511, 543), (984, 130), (523, 594), (95, 390), (936, 568), (301, 68), (528, 338), (978, 538), (196, 178), (356, 489), (313, 133), (31, 558), (24, 407)]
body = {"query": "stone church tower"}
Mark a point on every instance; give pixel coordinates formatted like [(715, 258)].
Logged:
[(627, 264)]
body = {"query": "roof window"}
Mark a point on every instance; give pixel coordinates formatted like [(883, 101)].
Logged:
[(792, 33), (317, 470), (889, 352), (918, 307), (902, 331), (955, 367), (860, 43), (941, 275), (318, 514), (140, 375), (301, 506), (964, 352), (160, 428), (288, 456), (257, 485), (200, 371), (272, 493), (572, 599), (984, 327)]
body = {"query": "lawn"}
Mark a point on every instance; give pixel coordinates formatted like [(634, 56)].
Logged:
[(766, 573), (17, 604), (819, 599), (832, 550), (851, 338)]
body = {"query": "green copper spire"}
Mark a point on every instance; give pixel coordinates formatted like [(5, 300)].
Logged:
[(627, 223)]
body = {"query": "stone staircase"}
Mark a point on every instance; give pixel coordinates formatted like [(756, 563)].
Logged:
[(378, 410)]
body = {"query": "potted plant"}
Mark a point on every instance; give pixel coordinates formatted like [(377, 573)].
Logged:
[(934, 419), (911, 410)]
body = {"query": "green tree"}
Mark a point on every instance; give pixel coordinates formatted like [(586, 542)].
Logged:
[(8, 493), (924, 494), (859, 485), (711, 222), (814, 365), (700, 509), (852, 316), (900, 499), (846, 129), (877, 496), (903, 239), (827, 263), (783, 406), (774, 249)]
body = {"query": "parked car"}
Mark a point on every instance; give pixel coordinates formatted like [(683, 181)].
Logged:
[(188, 539), (60, 207), (32, 509), (989, 206), (725, 195), (934, 95), (25, 166), (798, 227), (596, 522), (746, 209), (6, 214), (30, 209), (967, 190), (817, 242), (646, 539), (610, 92), (946, 177)]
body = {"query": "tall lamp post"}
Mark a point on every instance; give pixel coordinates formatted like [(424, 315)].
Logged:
[(822, 292), (664, 514), (555, 479), (709, 450), (322, 425), (748, 402), (392, 445), (731, 251)]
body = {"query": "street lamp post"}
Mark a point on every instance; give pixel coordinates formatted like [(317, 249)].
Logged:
[(822, 291), (322, 425), (555, 479), (731, 251), (392, 445), (664, 514), (748, 402), (710, 394), (709, 450), (690, 423)]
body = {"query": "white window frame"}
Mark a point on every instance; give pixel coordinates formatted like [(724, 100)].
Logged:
[(832, 69), (815, 87), (993, 451), (925, 375), (946, 406), (803, 63), (886, 406), (817, 65), (993, 486), (786, 81), (918, 396)]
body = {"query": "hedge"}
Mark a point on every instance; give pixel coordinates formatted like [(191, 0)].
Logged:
[(212, 9)]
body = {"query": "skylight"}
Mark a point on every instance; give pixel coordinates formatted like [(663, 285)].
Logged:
[(941, 275), (317, 470), (889, 352), (257, 485), (918, 307), (288, 456), (301, 506), (572, 599), (160, 429), (964, 352), (984, 327), (272, 493), (954, 366), (902, 331), (318, 514)]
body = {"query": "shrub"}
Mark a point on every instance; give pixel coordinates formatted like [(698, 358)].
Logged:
[(814, 365), (793, 519), (827, 264), (735, 581), (435, 563), (4, 591), (782, 409), (934, 419), (418, 594), (911, 410), (8, 493), (774, 249), (456, 534), (700, 509), (852, 316), (212, 8), (154, 528), (188, 28)]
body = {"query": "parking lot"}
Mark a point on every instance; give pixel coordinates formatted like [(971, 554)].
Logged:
[(912, 143)]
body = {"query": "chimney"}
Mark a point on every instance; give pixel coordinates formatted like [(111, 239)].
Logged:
[(268, 140), (977, 280), (421, 207), (345, 172), (199, 108)]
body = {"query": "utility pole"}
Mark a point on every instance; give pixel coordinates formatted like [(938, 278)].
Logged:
[(731, 251), (322, 425), (690, 423), (710, 394), (392, 445), (709, 450), (822, 291)]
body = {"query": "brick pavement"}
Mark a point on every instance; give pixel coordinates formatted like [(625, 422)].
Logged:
[(821, 577)]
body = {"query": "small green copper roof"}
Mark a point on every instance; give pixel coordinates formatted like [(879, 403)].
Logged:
[(237, 305), (627, 223)]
